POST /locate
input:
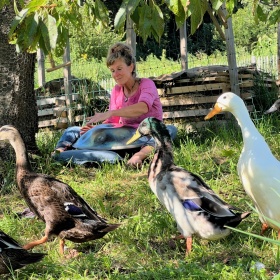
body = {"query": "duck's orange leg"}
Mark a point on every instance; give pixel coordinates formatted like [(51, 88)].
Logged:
[(61, 246), (35, 243), (264, 228), (188, 245), (279, 234), (188, 242)]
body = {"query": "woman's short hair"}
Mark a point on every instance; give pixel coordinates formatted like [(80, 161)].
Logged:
[(121, 50)]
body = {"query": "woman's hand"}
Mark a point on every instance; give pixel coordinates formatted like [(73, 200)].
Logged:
[(86, 128), (99, 117), (137, 159)]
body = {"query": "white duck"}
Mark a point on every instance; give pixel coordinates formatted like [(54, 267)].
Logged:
[(258, 169)]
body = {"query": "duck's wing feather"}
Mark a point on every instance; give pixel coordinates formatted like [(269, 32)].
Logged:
[(74, 201), (63, 195), (195, 193)]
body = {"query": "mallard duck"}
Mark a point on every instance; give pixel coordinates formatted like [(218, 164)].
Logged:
[(275, 107), (192, 203), (13, 256), (258, 169), (65, 213)]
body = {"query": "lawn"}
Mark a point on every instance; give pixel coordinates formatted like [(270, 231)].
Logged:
[(143, 248)]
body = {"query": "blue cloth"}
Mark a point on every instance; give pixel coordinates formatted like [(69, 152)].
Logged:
[(102, 143)]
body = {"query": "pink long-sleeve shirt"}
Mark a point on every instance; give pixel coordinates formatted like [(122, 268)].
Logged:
[(147, 92)]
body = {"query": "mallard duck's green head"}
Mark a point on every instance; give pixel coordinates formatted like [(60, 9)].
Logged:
[(227, 102), (149, 126)]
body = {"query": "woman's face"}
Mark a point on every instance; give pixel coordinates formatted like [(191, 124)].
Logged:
[(121, 72)]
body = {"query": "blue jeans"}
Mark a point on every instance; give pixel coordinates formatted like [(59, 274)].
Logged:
[(102, 143)]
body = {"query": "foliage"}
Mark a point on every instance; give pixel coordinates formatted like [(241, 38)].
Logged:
[(149, 19), (92, 42), (265, 45), (249, 36), (267, 11), (44, 25), (143, 248)]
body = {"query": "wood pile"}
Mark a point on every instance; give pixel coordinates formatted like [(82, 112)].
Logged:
[(57, 110), (187, 96)]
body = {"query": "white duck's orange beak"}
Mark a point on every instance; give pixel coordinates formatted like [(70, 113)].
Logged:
[(216, 110)]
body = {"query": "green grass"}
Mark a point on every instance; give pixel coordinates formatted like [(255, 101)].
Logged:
[(142, 247)]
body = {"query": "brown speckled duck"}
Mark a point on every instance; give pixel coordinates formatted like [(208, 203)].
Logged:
[(64, 212), (192, 203), (13, 256)]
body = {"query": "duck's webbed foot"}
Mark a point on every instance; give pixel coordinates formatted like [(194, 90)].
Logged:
[(264, 228)]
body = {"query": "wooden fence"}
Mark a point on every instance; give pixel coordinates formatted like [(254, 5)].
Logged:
[(186, 97)]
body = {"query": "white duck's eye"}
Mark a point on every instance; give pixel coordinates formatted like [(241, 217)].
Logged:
[(224, 97)]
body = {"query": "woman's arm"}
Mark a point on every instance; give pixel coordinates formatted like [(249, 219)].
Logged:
[(131, 111)]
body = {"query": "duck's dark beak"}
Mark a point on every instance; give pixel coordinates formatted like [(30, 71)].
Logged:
[(271, 110), (216, 110), (136, 136)]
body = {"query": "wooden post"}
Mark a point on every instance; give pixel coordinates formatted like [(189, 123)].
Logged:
[(231, 55), (67, 82), (41, 68), (130, 33), (184, 46)]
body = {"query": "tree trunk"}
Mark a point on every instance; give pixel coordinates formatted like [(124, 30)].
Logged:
[(17, 97)]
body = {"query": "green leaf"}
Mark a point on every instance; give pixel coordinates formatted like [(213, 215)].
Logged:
[(135, 17), (181, 17), (230, 4), (52, 30), (45, 39), (120, 17), (35, 5), (127, 6), (173, 5), (101, 12), (145, 22), (32, 23), (274, 17), (216, 4), (196, 14), (17, 21), (42, 45), (157, 23), (260, 14)]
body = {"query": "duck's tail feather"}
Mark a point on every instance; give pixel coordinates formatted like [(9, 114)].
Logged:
[(32, 258), (234, 222), (110, 227)]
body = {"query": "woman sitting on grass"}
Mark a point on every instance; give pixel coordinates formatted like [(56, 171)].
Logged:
[(132, 100)]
